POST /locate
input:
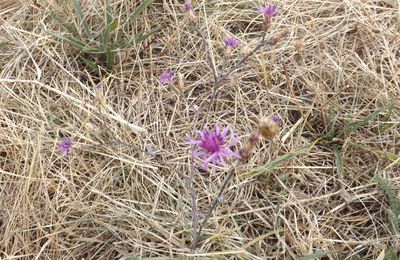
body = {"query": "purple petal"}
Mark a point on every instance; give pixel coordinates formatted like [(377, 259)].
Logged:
[(225, 131), (187, 6)]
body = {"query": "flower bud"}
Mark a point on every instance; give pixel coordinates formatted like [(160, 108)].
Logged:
[(278, 37), (269, 127), (246, 152), (267, 23), (192, 17), (254, 137)]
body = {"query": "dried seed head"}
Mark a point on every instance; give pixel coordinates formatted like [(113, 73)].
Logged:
[(269, 127), (234, 80), (254, 137), (228, 52), (278, 37), (247, 150), (299, 47), (248, 47)]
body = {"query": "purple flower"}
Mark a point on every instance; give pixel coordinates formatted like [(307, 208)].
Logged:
[(187, 6), (65, 146), (213, 146), (269, 10), (167, 77), (231, 42), (276, 119)]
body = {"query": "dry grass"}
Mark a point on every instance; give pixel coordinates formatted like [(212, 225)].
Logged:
[(121, 194)]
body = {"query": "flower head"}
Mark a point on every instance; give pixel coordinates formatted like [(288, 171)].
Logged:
[(269, 10), (214, 146), (65, 146), (269, 126), (167, 77), (276, 119), (187, 6), (231, 42)]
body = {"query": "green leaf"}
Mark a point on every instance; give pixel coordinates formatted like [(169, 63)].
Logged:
[(69, 39), (394, 210), (140, 9), (108, 11), (355, 125), (76, 43), (338, 160), (315, 255), (385, 126), (393, 200), (332, 117), (383, 154), (113, 25), (142, 37), (89, 63), (391, 254), (278, 161), (381, 256), (110, 56), (70, 27), (387, 254), (3, 43), (82, 18), (393, 219)]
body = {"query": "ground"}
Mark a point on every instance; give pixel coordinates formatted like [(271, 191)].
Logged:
[(326, 186)]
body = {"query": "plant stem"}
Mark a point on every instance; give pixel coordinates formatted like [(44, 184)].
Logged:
[(214, 204)]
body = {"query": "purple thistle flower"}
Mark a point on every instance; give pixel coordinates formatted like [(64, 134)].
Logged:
[(231, 42), (65, 146), (187, 6), (269, 10), (167, 77), (276, 119), (213, 146)]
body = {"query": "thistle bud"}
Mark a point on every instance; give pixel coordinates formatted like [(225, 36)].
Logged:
[(246, 152), (268, 12), (192, 17), (267, 23), (278, 37), (188, 8), (269, 126)]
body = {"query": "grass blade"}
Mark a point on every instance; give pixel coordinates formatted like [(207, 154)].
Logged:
[(82, 18), (70, 27), (278, 161), (76, 43), (338, 160), (139, 9), (355, 125), (315, 255), (382, 154), (394, 210), (89, 63), (110, 56), (142, 37), (108, 11)]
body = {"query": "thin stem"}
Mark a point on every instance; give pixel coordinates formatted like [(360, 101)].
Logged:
[(194, 199), (214, 205), (219, 79)]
